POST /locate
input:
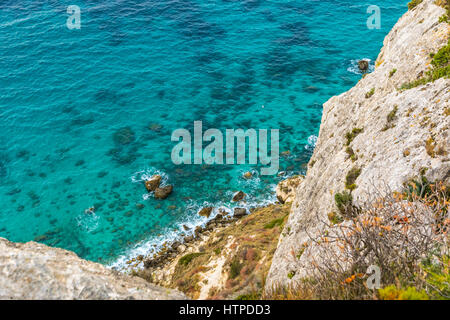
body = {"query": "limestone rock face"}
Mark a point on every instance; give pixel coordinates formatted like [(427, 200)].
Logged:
[(396, 135), (36, 271), (286, 189)]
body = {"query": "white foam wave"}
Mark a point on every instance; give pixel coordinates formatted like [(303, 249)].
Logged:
[(312, 141), (154, 244), (87, 222), (146, 174)]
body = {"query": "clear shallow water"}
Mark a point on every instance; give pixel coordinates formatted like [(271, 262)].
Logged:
[(152, 67)]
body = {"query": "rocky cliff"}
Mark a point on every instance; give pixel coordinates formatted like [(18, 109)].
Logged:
[(376, 136), (36, 271)]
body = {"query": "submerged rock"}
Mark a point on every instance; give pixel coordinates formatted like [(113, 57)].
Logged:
[(140, 206), (164, 192), (153, 183), (285, 154), (124, 136), (156, 127)]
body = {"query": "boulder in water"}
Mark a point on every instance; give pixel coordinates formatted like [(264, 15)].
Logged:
[(363, 65), (238, 196), (164, 192), (205, 212), (153, 183), (248, 175)]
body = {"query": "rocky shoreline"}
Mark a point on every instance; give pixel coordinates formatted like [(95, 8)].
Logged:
[(160, 268), (171, 250)]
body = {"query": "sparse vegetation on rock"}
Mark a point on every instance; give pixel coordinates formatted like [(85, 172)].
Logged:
[(349, 136), (413, 4), (370, 93), (441, 69), (404, 233), (351, 177)]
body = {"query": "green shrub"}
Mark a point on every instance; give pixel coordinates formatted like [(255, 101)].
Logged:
[(273, 223), (391, 117), (370, 93), (414, 3), (185, 260), (334, 218), (438, 277), (235, 268), (393, 293), (291, 274), (420, 188), (249, 296), (441, 58), (393, 71), (351, 154), (441, 68), (392, 114), (349, 136), (446, 5), (351, 177), (343, 202), (301, 251)]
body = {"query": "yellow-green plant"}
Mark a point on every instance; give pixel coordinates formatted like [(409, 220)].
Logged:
[(393, 293)]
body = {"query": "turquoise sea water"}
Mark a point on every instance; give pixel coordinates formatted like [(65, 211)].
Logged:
[(86, 114)]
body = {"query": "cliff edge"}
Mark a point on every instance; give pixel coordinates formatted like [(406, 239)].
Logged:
[(376, 136), (36, 271)]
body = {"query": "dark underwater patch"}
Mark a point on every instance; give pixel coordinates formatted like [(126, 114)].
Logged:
[(124, 136)]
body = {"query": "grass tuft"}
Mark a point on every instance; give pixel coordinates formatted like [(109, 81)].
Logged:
[(414, 3), (185, 260)]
